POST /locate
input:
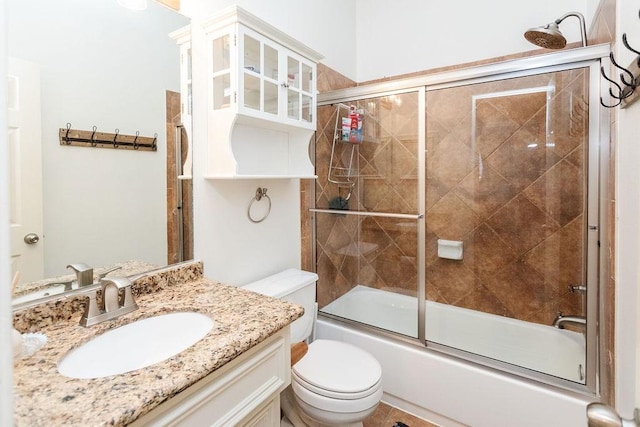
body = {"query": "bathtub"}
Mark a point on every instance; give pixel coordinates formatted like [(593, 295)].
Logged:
[(449, 391)]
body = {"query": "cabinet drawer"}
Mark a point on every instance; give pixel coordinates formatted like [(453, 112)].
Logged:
[(232, 393)]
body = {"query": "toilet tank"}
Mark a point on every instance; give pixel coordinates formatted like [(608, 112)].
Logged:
[(297, 287)]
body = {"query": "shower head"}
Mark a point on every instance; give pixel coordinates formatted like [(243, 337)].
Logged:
[(550, 37)]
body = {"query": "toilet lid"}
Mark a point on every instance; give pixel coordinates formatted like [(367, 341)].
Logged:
[(338, 367)]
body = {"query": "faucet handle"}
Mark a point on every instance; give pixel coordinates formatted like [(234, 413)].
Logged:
[(104, 273), (91, 310), (111, 299), (119, 282), (84, 273)]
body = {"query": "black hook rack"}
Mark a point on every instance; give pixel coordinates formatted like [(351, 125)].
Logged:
[(93, 138), (629, 77)]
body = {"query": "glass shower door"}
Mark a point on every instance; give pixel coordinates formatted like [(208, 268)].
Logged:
[(367, 214), (506, 180)]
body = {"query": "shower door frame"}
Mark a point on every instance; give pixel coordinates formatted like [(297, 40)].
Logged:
[(595, 261)]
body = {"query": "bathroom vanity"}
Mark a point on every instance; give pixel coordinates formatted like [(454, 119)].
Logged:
[(233, 375)]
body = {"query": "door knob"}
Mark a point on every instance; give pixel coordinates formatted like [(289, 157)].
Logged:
[(31, 238)]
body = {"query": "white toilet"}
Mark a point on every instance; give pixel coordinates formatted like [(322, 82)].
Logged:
[(335, 383)]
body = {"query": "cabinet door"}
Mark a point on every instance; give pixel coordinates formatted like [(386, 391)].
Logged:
[(259, 75), (220, 66), (300, 89)]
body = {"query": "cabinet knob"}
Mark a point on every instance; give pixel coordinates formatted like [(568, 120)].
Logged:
[(285, 85)]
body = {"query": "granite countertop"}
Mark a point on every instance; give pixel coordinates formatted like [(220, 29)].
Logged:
[(43, 397)]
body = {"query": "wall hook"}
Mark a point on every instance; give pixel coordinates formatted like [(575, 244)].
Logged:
[(93, 136), (630, 80), (66, 137), (135, 141), (624, 71), (115, 138)]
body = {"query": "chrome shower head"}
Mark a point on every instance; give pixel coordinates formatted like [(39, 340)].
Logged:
[(550, 37)]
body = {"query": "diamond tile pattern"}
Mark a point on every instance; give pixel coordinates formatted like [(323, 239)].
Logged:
[(504, 176), (523, 241)]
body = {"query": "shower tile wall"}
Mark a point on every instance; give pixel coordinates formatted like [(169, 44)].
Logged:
[(507, 180)]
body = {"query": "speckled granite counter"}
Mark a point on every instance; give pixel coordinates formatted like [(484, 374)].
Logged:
[(45, 398)]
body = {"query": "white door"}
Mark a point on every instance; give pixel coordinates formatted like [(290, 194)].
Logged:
[(25, 170)]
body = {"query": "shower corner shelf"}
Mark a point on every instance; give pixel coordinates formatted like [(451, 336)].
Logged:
[(343, 153)]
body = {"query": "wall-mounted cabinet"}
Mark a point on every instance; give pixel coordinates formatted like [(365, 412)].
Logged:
[(261, 99)]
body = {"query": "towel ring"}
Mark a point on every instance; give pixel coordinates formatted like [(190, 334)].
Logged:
[(260, 193)]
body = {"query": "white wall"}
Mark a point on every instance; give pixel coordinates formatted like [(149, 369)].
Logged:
[(412, 35), (628, 227), (234, 249), (103, 66)]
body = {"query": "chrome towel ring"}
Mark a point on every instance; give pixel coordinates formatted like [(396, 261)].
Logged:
[(260, 193)]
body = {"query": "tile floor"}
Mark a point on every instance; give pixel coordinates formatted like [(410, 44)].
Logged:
[(386, 416)]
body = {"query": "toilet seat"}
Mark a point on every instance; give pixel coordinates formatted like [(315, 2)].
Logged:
[(333, 394), (337, 377), (338, 367), (337, 406)]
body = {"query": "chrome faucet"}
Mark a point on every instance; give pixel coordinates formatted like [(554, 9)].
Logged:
[(561, 321), (117, 299)]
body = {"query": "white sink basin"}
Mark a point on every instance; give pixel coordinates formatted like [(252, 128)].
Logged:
[(135, 345), (40, 293)]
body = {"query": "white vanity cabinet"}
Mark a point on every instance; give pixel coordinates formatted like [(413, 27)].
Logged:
[(244, 392), (261, 99)]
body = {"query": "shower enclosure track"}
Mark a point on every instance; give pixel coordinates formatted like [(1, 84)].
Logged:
[(365, 213)]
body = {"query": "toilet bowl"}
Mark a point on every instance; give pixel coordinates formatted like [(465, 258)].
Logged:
[(335, 383)]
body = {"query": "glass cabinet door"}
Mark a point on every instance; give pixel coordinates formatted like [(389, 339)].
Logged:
[(260, 78), (293, 88), (271, 78), (306, 82), (299, 90), (221, 71), (251, 73), (259, 75)]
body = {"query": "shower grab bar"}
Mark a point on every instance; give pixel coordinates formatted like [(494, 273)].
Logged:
[(364, 213)]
